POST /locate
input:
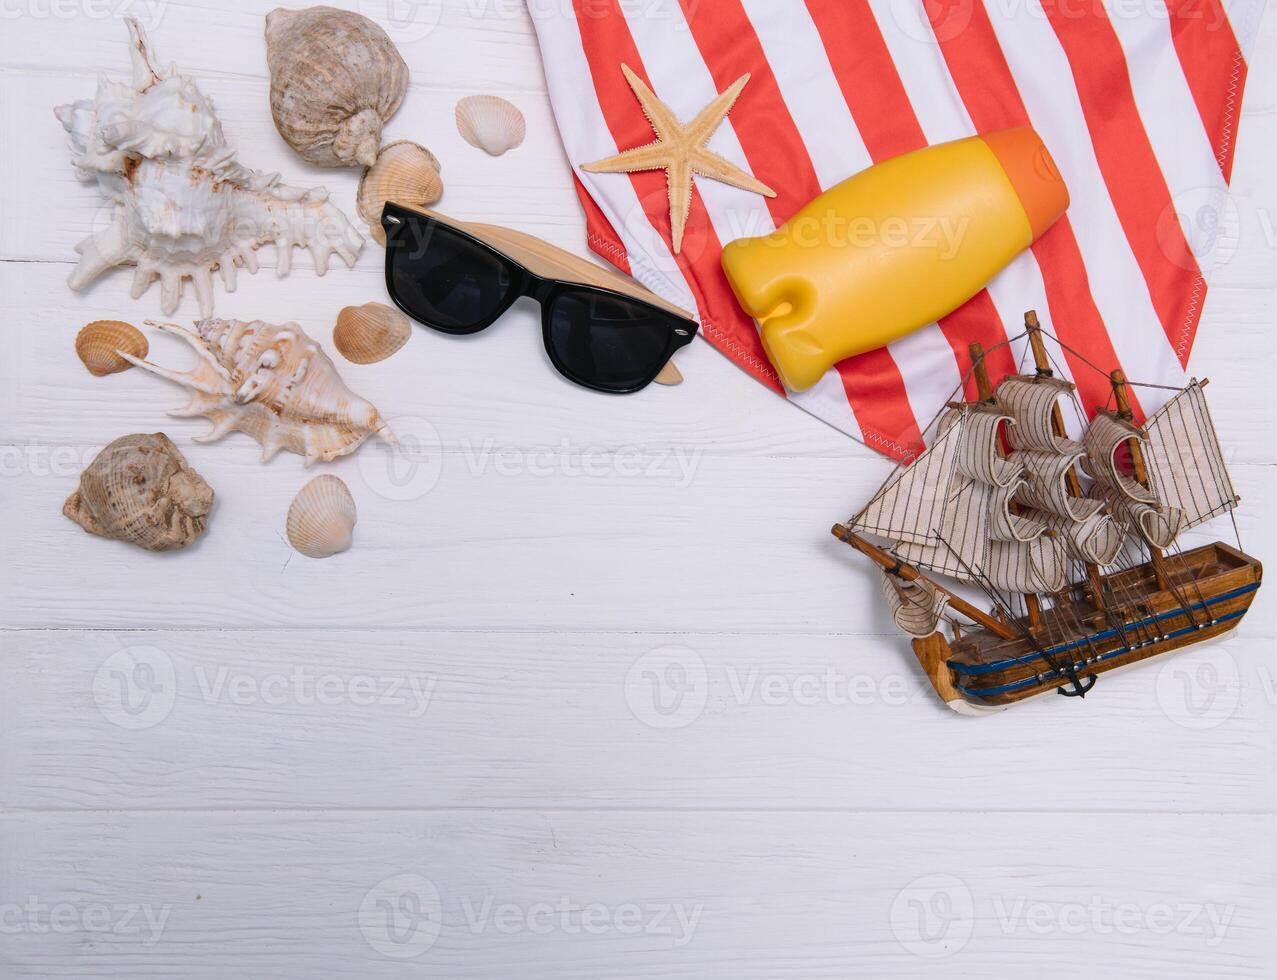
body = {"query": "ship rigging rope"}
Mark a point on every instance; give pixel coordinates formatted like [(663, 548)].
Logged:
[(986, 586)]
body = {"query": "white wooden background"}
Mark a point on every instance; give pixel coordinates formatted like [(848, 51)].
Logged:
[(595, 693)]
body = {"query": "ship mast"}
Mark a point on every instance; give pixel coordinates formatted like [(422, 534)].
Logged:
[(1032, 604), (1118, 378), (1042, 363)]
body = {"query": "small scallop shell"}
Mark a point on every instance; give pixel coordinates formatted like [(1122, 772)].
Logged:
[(321, 519), (490, 123), (370, 333), (97, 345), (404, 173)]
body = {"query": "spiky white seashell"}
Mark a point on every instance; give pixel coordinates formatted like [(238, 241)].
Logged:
[(273, 382), (181, 207), (321, 518), (491, 123)]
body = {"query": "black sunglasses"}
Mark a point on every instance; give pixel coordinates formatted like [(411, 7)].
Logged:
[(600, 330)]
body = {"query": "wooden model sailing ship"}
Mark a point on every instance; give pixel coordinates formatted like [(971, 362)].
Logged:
[(1081, 581)]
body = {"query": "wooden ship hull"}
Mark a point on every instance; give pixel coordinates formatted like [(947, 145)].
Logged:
[(1202, 594)]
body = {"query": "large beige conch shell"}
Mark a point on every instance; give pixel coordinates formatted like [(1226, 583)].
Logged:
[(179, 205), (273, 382), (140, 489), (335, 78)]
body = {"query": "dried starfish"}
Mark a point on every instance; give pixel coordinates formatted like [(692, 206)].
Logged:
[(680, 151)]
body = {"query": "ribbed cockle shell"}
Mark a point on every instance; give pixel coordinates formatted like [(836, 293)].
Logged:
[(370, 333), (490, 123), (321, 519), (405, 173), (98, 345)]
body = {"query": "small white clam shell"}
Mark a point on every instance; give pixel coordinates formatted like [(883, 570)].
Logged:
[(490, 123), (321, 519)]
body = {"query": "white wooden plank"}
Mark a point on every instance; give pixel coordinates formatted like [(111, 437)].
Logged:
[(508, 541), (47, 210), (489, 43), (163, 720), (664, 894), (499, 389)]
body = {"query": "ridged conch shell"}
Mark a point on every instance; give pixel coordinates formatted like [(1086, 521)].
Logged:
[(335, 78), (404, 173), (321, 518), (273, 382), (98, 345), (179, 205), (140, 489), (370, 333), (490, 123)]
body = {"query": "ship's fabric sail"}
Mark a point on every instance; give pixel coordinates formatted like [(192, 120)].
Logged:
[(1032, 401), (911, 506), (959, 545), (979, 458), (1105, 436), (1028, 566), (915, 606), (1047, 488), (1184, 459), (1159, 528), (1007, 526), (1096, 539), (1018, 523)]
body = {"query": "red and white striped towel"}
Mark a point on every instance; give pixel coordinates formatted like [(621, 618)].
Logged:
[(1137, 102)]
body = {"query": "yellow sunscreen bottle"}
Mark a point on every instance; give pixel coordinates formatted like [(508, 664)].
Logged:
[(893, 248)]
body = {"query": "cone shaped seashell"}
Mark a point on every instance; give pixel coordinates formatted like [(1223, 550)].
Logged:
[(321, 518), (370, 333), (98, 345), (405, 173), (335, 78), (140, 489), (273, 382), (490, 123), (180, 207)]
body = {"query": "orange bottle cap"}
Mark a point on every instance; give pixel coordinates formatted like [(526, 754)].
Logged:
[(1033, 175)]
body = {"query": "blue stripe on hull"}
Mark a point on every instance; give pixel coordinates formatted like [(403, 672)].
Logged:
[(972, 670)]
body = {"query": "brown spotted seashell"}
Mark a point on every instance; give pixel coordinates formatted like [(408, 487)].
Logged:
[(98, 343), (321, 519), (335, 78), (491, 123), (370, 333), (140, 489)]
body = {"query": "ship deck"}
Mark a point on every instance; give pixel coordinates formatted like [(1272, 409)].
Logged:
[(1208, 590)]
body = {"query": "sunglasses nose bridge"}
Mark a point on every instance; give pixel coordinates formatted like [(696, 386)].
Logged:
[(538, 288)]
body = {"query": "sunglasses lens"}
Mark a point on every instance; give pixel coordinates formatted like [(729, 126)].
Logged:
[(444, 279), (607, 342)]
